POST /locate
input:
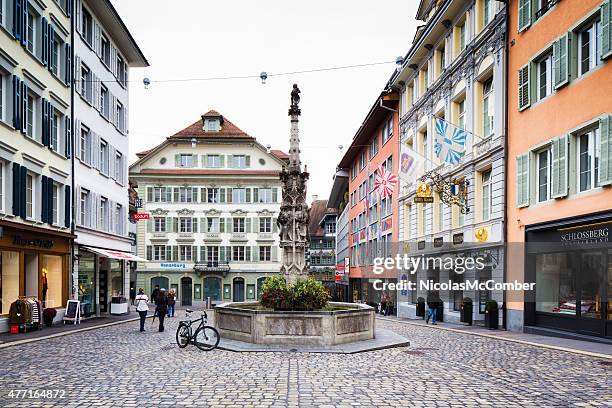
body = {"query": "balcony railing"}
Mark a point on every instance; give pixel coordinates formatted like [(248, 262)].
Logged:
[(546, 5), (211, 266)]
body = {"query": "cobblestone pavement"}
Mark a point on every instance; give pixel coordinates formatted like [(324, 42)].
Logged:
[(121, 367)]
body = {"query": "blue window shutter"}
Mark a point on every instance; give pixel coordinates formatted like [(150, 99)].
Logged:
[(24, 107), (51, 48), (16, 189), (24, 22), (45, 43), (17, 19), (605, 160), (68, 136), (22, 190), (69, 8), (67, 202), (50, 200), (606, 29), (16, 102), (44, 122), (44, 210), (69, 68)]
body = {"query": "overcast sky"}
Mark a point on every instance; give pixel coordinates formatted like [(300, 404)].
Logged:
[(201, 38)]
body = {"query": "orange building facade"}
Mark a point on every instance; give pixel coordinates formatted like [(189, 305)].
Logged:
[(373, 228), (559, 207)]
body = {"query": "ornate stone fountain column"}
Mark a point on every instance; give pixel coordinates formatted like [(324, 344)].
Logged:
[(294, 215)]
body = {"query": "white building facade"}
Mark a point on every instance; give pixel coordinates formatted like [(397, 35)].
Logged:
[(104, 51), (213, 195), (455, 71)]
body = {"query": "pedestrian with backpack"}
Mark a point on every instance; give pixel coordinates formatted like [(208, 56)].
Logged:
[(142, 307), (171, 302), (432, 307), (161, 307)]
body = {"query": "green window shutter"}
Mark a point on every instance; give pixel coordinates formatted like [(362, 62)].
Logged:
[(606, 29), (247, 225), (222, 254), (524, 12), (523, 88), (561, 58), (274, 225), (176, 195), (229, 226), (177, 160), (256, 224), (248, 195), (204, 160), (605, 145), (194, 224), (559, 167), (149, 194), (194, 158), (168, 194), (255, 253), (274, 195), (149, 252), (175, 253), (150, 225), (168, 253), (522, 180), (203, 195), (274, 253), (175, 224), (247, 161), (222, 161), (255, 194), (229, 194), (230, 161), (194, 253), (194, 194), (247, 253), (222, 224), (222, 195)]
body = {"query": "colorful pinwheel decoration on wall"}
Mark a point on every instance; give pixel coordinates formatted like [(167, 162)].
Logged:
[(385, 182)]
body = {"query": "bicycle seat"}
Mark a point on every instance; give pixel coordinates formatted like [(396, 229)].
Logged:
[(188, 311)]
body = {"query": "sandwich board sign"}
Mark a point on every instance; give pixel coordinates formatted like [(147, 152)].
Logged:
[(73, 312)]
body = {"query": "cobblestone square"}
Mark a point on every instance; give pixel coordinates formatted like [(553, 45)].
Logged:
[(119, 366)]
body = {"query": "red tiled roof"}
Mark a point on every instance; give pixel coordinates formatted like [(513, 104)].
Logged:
[(143, 153), (317, 209), (280, 154), (196, 172), (228, 129)]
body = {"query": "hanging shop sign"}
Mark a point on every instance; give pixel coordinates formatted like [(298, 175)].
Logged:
[(482, 234), (458, 238), (142, 216), (38, 243), (423, 194)]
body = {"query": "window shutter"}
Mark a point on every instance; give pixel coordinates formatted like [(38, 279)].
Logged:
[(247, 225), (247, 253), (45, 41), (255, 224), (274, 225), (523, 87), (77, 139), (77, 74), (274, 253), (194, 253), (175, 252), (203, 195), (229, 194), (17, 19), (524, 12), (149, 252), (24, 22), (177, 160), (204, 160), (222, 196), (203, 225), (203, 257), (605, 145), (176, 195), (168, 252), (559, 167), (247, 161), (194, 224), (51, 50), (606, 29), (248, 195), (561, 61), (522, 180), (194, 194), (96, 151), (24, 107), (16, 102), (150, 225), (50, 204), (229, 226), (149, 194), (44, 211), (222, 161), (255, 194), (67, 136), (68, 62), (230, 161), (194, 159), (222, 224), (67, 206), (175, 224), (222, 257), (254, 253), (274, 195), (23, 171)]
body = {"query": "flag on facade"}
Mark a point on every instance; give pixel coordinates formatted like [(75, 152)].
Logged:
[(411, 163), (384, 182), (450, 142)]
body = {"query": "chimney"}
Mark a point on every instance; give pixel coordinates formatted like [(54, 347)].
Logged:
[(314, 197)]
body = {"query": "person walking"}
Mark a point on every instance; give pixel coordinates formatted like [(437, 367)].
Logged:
[(432, 308), (132, 295), (154, 293), (171, 302), (161, 307), (142, 307)]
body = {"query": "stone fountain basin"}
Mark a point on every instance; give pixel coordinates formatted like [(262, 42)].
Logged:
[(346, 323)]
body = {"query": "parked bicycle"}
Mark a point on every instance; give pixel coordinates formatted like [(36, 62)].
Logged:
[(203, 337)]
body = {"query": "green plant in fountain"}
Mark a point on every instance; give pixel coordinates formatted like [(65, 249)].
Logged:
[(306, 294)]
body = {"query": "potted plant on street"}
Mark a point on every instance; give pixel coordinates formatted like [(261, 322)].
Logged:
[(466, 311), (491, 314), (48, 316)]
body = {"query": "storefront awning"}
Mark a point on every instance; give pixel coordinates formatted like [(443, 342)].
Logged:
[(109, 253)]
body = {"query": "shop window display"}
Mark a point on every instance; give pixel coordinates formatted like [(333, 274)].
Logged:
[(87, 291), (555, 284), (9, 279), (116, 269), (51, 281)]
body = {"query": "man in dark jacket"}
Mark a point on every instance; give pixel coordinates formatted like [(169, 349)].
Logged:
[(432, 305), (161, 307), (154, 293)]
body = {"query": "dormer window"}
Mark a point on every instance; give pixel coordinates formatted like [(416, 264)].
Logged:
[(212, 125)]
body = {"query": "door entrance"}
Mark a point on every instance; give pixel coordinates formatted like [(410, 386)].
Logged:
[(592, 288), (186, 292), (238, 290), (103, 285)]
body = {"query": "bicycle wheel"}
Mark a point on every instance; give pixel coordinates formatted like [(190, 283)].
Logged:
[(183, 335), (206, 338)]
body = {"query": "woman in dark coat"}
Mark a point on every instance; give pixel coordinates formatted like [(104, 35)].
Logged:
[(161, 307)]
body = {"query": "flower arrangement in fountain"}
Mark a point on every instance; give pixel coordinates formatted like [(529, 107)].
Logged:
[(305, 295)]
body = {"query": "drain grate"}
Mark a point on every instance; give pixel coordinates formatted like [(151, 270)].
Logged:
[(414, 352)]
